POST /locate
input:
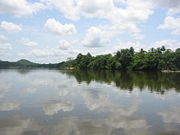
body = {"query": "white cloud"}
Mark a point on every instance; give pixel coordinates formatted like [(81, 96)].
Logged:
[(31, 43), (9, 106), (50, 52), (58, 28), (124, 18), (4, 46), (171, 23), (47, 52), (169, 43), (27, 42), (137, 36), (47, 55), (41, 52), (172, 11), (57, 53), (103, 9), (123, 45), (166, 3), (72, 9), (54, 54), (67, 7), (94, 8), (2, 38), (95, 37), (119, 1), (10, 27), (20, 7), (173, 6), (64, 45), (136, 10), (54, 107)]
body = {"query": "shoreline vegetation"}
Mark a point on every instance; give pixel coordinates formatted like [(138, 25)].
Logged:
[(167, 71), (159, 59)]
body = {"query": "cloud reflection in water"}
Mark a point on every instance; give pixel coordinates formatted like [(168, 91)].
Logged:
[(9, 106), (53, 107)]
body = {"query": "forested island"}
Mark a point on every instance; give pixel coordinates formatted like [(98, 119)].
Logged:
[(124, 59)]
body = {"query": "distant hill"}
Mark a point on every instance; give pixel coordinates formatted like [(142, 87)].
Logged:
[(23, 63)]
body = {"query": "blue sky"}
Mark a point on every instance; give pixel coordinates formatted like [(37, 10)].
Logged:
[(52, 30)]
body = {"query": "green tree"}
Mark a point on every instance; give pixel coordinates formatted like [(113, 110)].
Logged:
[(125, 58)]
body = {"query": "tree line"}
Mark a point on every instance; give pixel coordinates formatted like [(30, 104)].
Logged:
[(127, 59), (124, 59)]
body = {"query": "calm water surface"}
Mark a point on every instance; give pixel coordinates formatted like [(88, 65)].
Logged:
[(55, 102)]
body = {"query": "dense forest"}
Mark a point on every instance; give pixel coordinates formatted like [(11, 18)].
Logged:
[(124, 59), (128, 59)]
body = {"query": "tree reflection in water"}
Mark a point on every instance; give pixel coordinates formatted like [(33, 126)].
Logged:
[(154, 81)]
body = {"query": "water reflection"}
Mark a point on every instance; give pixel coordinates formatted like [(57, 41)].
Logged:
[(17, 126), (171, 116), (63, 92), (117, 122), (4, 87), (9, 106), (94, 98), (53, 102), (171, 120), (53, 107), (30, 90), (154, 81)]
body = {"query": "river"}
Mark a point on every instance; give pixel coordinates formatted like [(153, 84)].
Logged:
[(68, 102)]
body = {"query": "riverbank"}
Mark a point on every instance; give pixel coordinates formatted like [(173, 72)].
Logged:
[(166, 71)]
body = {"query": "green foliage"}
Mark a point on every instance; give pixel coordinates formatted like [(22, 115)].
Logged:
[(124, 59), (177, 58), (100, 62), (25, 62), (82, 61)]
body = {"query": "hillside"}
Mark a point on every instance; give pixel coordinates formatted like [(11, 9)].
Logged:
[(23, 63)]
